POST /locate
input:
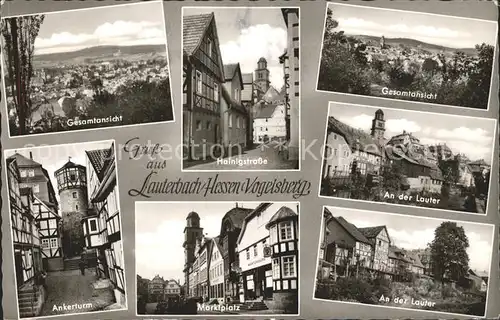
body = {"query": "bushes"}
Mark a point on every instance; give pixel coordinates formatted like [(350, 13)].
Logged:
[(343, 289)]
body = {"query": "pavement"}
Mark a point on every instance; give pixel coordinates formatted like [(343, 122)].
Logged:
[(264, 157), (70, 288)]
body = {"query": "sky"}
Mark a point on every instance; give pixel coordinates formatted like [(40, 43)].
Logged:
[(160, 233), (447, 31), (409, 232), (130, 24), (54, 157), (247, 34), (472, 136)]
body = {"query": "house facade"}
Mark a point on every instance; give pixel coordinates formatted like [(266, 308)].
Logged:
[(380, 246), (26, 243), (270, 123), (233, 114), (172, 291), (203, 76), (156, 288), (268, 242), (248, 99), (105, 217), (291, 68)]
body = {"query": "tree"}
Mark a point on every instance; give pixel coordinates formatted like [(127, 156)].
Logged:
[(430, 65), (449, 252), (19, 34), (392, 176), (477, 91)]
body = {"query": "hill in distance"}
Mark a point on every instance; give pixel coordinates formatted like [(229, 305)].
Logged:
[(416, 43), (103, 53)]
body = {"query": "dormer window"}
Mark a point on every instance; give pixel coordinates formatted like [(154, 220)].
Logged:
[(209, 47)]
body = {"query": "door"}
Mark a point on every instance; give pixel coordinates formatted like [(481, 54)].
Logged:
[(19, 268)]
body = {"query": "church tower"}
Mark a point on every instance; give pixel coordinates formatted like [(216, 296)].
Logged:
[(378, 126), (72, 187), (262, 75), (192, 234)]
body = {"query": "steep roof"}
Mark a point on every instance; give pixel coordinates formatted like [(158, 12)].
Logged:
[(271, 94), (260, 208), (230, 70), (99, 158), (371, 232), (395, 153), (352, 230), (355, 137), (237, 215), (23, 161), (266, 111), (193, 29), (284, 213)]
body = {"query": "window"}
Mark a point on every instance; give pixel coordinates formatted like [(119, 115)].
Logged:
[(209, 125), (286, 231), (237, 94), (31, 173), (289, 267), (72, 177), (255, 250), (276, 268), (93, 225), (23, 174), (74, 195), (216, 92), (238, 122), (248, 254), (36, 188), (76, 207), (230, 121), (45, 243), (274, 235), (54, 243), (199, 83), (198, 125)]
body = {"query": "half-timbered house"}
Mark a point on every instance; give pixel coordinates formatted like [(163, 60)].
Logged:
[(203, 75), (26, 243), (380, 246), (105, 217)]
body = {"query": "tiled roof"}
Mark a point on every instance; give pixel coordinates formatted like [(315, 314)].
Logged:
[(352, 230), (229, 70), (237, 215), (354, 137), (194, 27), (247, 78), (23, 161), (266, 111), (283, 213), (371, 232)]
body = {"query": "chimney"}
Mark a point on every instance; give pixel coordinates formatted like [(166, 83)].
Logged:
[(31, 155), (236, 204)]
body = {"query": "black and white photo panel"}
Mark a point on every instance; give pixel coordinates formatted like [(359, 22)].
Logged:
[(397, 54), (89, 68), (405, 262), (241, 88), (217, 258), (408, 158), (66, 229)]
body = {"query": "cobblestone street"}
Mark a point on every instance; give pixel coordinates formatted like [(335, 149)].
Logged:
[(264, 157), (75, 291)]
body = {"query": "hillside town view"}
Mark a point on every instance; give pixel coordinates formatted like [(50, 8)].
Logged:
[(381, 163), (368, 265), (406, 62), (100, 83)]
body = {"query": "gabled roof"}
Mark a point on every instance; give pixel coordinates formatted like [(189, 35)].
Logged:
[(271, 95), (100, 159), (352, 230), (266, 111), (217, 244), (355, 138), (23, 161), (260, 208), (194, 28), (284, 213), (371, 232)]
